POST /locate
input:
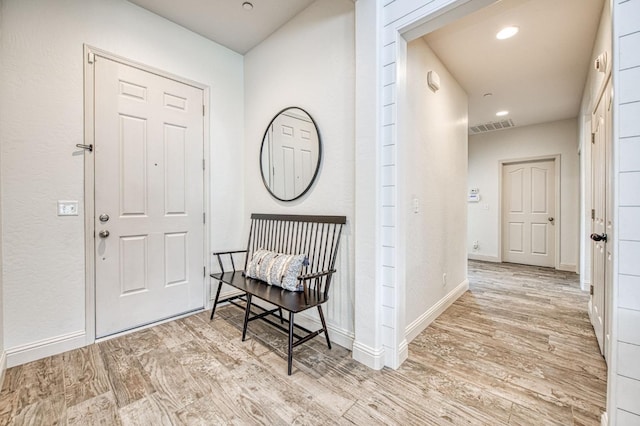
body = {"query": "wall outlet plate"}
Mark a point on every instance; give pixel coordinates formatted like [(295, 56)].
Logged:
[(67, 208)]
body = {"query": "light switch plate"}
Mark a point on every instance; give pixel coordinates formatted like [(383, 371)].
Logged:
[(67, 208)]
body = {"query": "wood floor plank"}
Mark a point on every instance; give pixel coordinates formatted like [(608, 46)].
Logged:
[(99, 410), (127, 378), (85, 376)]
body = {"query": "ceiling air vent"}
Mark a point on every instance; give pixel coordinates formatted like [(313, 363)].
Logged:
[(491, 126)]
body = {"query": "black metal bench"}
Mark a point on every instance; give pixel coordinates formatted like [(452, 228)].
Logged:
[(318, 238)]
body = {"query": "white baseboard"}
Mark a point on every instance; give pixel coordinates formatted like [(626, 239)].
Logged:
[(44, 348), (604, 419), (423, 321), (584, 285), (483, 257), (567, 267), (394, 359), (371, 357), (3, 367)]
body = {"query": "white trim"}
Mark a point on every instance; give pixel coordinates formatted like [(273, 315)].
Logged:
[(89, 178), (584, 285), (423, 321), (604, 419), (483, 258), (372, 358), (558, 184), (44, 348), (3, 367), (403, 354)]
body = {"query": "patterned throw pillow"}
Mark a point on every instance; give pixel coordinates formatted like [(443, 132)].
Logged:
[(277, 269)]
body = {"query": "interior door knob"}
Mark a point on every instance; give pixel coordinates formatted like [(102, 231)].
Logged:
[(599, 237), (550, 219), (104, 233)]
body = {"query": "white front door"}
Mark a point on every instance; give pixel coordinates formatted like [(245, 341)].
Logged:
[(294, 154), (148, 197), (529, 213)]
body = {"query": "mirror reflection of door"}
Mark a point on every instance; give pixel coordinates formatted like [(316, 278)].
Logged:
[(290, 155), (293, 141)]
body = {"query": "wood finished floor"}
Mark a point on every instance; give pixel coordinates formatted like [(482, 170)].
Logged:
[(516, 349)]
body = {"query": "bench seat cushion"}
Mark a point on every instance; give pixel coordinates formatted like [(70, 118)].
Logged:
[(292, 301)]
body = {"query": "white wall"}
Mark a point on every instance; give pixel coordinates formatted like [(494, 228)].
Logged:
[(3, 360), (486, 150), (624, 375), (434, 173), (41, 108), (310, 63)]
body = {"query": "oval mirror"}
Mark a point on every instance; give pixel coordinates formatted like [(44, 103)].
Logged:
[(290, 154)]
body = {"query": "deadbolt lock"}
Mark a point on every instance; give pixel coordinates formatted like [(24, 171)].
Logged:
[(103, 217)]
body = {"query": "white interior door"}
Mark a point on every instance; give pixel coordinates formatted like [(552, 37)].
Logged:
[(294, 154), (148, 197), (529, 213), (602, 224)]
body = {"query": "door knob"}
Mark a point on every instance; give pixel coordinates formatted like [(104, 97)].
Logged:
[(103, 217), (599, 237), (104, 233), (550, 219)]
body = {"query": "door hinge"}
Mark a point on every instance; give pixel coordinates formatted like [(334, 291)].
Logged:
[(593, 214), (203, 168), (204, 218), (204, 271), (203, 111), (591, 290), (593, 138), (91, 57)]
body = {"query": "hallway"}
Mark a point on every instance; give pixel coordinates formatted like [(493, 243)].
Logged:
[(517, 348)]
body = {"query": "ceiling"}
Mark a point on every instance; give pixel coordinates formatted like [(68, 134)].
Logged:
[(225, 21), (538, 75)]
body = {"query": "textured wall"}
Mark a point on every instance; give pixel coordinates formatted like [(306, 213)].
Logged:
[(435, 157), (42, 119), (486, 150), (309, 62)]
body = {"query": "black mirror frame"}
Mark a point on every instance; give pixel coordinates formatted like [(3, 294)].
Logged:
[(317, 171)]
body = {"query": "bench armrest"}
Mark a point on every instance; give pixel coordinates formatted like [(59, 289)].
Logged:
[(219, 253), (230, 254), (316, 275)]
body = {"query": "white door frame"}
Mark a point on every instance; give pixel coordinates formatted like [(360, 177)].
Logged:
[(557, 223), (89, 176)]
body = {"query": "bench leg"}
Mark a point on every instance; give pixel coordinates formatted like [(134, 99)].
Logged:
[(324, 326), (215, 302), (281, 319), (290, 355), (246, 317)]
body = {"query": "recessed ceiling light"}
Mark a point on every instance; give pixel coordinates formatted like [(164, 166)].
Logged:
[(247, 6), (507, 32), (502, 113)]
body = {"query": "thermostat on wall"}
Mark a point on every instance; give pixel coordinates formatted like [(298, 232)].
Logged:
[(433, 80)]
